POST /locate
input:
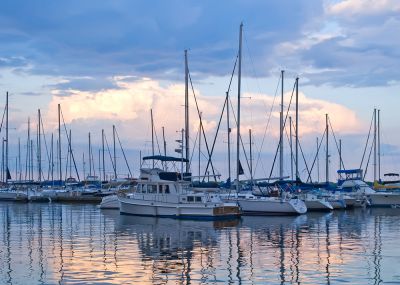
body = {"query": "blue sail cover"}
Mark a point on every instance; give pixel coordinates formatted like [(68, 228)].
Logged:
[(165, 158)]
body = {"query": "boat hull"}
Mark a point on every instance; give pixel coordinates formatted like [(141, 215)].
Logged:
[(110, 202), (272, 207), (384, 199), (130, 206), (318, 205)]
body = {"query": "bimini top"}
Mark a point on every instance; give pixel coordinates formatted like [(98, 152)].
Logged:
[(165, 158), (349, 171)]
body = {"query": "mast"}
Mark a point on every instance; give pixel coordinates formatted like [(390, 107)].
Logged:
[(59, 143), (90, 157), (39, 155), (32, 159), (238, 111), (281, 132), (291, 147), (186, 111), (70, 153), (52, 159), (152, 134), (19, 160), (200, 145), (2, 160), (379, 145), (115, 155), (251, 161), (29, 149), (83, 165), (340, 154), (375, 144), (165, 147), (229, 136), (6, 170), (317, 159), (327, 151), (297, 132), (102, 146)]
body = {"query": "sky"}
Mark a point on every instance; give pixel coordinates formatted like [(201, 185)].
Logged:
[(110, 62)]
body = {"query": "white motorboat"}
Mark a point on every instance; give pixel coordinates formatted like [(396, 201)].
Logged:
[(354, 186), (164, 194)]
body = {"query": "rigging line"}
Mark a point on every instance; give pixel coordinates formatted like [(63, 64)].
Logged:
[(366, 144), (155, 132), (109, 151), (123, 153), (45, 143), (337, 146), (305, 162), (267, 126), (220, 119), (2, 119), (194, 148), (369, 157), (215, 137), (284, 125), (316, 155), (202, 128), (69, 142), (241, 140)]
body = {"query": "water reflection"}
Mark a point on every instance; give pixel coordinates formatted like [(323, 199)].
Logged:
[(77, 244)]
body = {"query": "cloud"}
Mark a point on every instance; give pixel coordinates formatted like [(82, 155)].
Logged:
[(350, 8)]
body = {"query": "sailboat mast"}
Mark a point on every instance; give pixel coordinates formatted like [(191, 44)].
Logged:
[(152, 134), (102, 146), (291, 147), (90, 157), (186, 111), (70, 153), (327, 150), (39, 147), (281, 131), (115, 155), (59, 144), (379, 145), (29, 150), (297, 132), (251, 161), (375, 168), (52, 159), (19, 160), (229, 135), (340, 154), (6, 170), (238, 111), (317, 159)]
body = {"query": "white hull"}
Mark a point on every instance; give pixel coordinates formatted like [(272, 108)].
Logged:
[(338, 204), (272, 206), (176, 210), (110, 202), (13, 196), (380, 199), (318, 205)]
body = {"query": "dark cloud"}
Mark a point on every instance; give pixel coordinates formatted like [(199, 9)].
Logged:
[(99, 39)]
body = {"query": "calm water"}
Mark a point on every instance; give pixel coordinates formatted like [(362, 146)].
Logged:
[(80, 244)]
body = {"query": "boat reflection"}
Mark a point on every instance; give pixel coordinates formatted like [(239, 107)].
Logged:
[(48, 244)]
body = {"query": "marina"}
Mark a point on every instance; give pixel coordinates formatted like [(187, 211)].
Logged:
[(199, 142)]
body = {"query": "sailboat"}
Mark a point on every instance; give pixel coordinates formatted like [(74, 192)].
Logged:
[(251, 204)]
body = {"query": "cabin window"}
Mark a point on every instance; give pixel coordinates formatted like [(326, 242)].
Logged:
[(144, 188), (153, 189), (198, 199), (190, 199), (139, 188), (166, 189), (160, 189)]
